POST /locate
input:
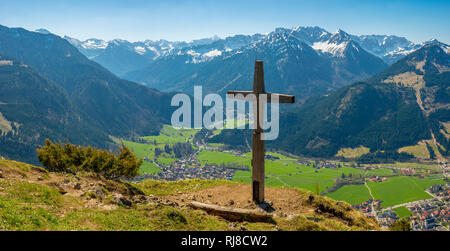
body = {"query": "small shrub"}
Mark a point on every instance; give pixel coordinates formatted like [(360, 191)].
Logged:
[(176, 216), (304, 224), (90, 195), (71, 158)]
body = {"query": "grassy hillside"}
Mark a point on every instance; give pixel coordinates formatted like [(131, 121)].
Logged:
[(32, 198), (33, 108)]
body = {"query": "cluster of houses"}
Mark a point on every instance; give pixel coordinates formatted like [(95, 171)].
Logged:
[(371, 167), (271, 157), (366, 207), (378, 179), (387, 218), (445, 169), (191, 169), (304, 162), (442, 191), (402, 170), (407, 171), (237, 154), (430, 215), (183, 172), (325, 164)]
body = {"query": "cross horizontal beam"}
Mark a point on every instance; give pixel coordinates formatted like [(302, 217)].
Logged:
[(282, 98)]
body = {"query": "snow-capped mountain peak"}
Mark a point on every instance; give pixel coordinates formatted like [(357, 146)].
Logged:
[(339, 37), (43, 31), (140, 50), (390, 48), (445, 47), (335, 49), (431, 41), (336, 45), (307, 34), (94, 44)]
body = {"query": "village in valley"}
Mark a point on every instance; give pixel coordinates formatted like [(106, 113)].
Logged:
[(190, 169), (422, 191)]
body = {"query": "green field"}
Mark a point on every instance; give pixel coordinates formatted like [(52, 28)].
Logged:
[(141, 150), (283, 172), (402, 189), (402, 212), (169, 136), (148, 167), (380, 172), (413, 165), (209, 157), (397, 190), (353, 194), (216, 144), (165, 161)]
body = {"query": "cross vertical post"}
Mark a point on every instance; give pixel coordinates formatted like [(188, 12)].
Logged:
[(258, 144), (258, 155)]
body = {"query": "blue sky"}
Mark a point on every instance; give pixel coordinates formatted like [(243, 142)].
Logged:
[(192, 19)]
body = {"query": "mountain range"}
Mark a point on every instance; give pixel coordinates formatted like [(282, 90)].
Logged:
[(291, 65), (388, 47), (49, 89), (303, 60), (351, 95), (406, 105)]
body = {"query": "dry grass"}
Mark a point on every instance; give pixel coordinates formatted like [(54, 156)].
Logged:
[(5, 125), (407, 79), (446, 130), (352, 152), (419, 151)]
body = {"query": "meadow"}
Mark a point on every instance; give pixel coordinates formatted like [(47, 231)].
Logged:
[(414, 165), (167, 136), (402, 212), (353, 194), (396, 190), (149, 167), (286, 172), (402, 189), (380, 172), (283, 172), (141, 150)]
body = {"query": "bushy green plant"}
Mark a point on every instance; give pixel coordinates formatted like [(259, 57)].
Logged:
[(401, 225), (59, 157)]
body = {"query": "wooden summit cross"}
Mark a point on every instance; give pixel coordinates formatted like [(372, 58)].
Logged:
[(258, 144)]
